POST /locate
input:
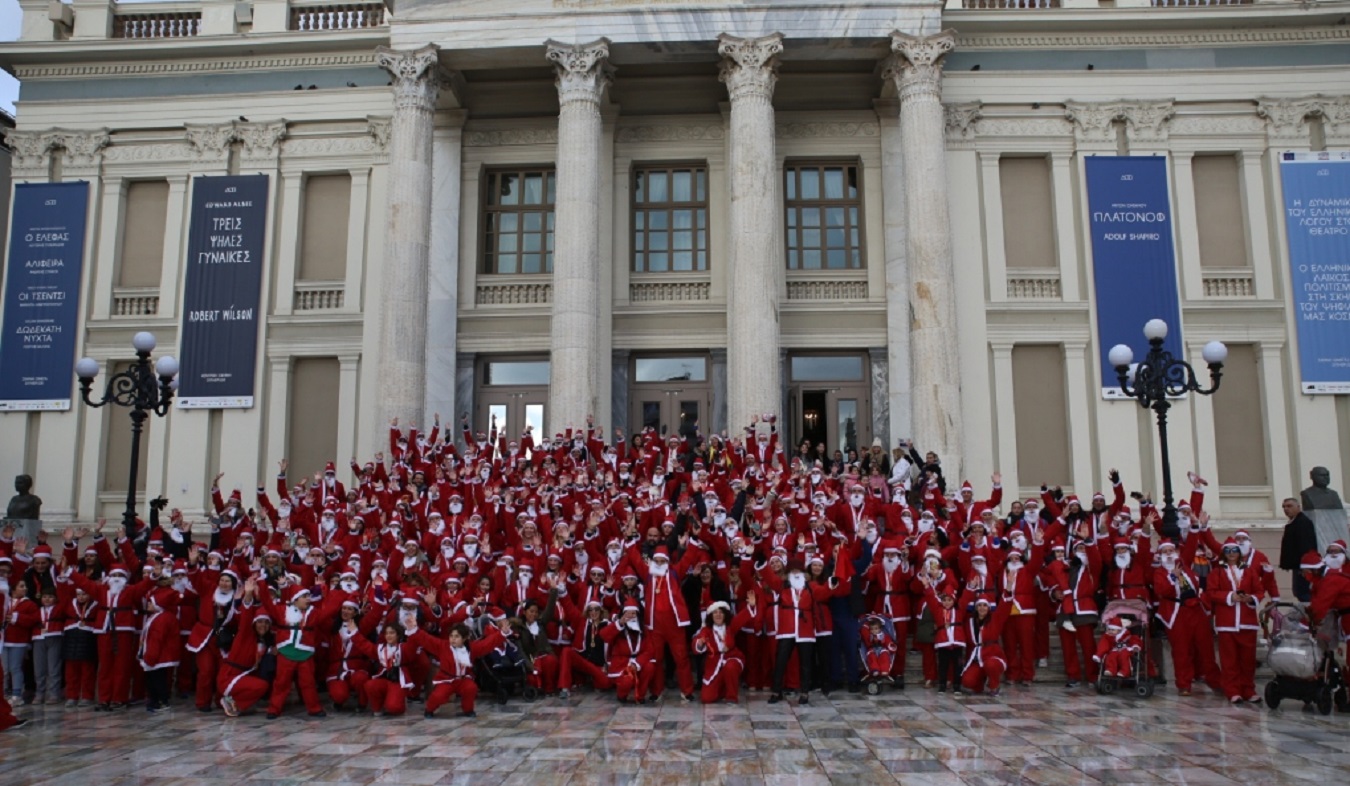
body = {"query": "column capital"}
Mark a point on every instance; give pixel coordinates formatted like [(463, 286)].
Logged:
[(83, 148), (583, 70), (750, 65), (1147, 121), (916, 65), (417, 75), (1287, 119)]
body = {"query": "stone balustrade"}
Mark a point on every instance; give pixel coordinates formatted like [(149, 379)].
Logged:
[(826, 289), (319, 296), (336, 16), (135, 301), (1034, 285), (1228, 283), (1010, 4), (156, 21), (531, 292), (672, 291)]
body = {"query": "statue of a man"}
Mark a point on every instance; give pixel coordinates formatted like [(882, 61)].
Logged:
[(1323, 506), (25, 504)]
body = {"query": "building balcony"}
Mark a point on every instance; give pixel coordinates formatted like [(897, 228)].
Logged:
[(89, 20)]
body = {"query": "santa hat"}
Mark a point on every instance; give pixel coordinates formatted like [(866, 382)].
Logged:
[(292, 594), (1231, 544), (933, 553), (630, 607), (236, 496), (1184, 505), (965, 486), (455, 577), (1097, 495), (985, 601), (1167, 545), (598, 569), (231, 574), (329, 467), (1072, 499), (592, 604), (180, 566), (1031, 502), (92, 550), (1336, 544), (721, 604), (1124, 543), (1242, 533), (1311, 561), (661, 553), (352, 603), (891, 548), (119, 569), (42, 551)]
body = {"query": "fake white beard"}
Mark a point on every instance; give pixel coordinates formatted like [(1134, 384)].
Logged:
[(1334, 561), (1122, 561), (1245, 547), (856, 499), (223, 597), (456, 508), (720, 519), (797, 581), (379, 573), (181, 584), (284, 511), (470, 550), (1020, 544), (294, 615), (981, 569), (659, 568), (633, 625), (891, 563), (329, 524), (349, 586), (1168, 562), (117, 583)]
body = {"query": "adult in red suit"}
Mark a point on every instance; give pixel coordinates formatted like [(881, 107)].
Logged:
[(631, 662), (1184, 611), (985, 663), (1234, 590), (723, 663), (665, 615)]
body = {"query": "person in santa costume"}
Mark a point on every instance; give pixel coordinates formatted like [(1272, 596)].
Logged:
[(457, 656), (666, 613), (19, 618), (880, 648), (217, 593), (160, 645), (246, 672), (1117, 647), (298, 624), (985, 663), (795, 617), (723, 662), (1073, 587), (949, 638), (588, 653), (79, 643), (1234, 590), (117, 624), (390, 685), (1183, 611), (631, 662), (348, 669), (48, 669), (7, 717)]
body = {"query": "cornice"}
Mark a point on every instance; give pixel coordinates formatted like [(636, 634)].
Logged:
[(171, 67), (1159, 38)]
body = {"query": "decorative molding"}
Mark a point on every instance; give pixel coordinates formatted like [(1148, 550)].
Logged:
[(210, 141), (380, 127), (670, 133), (916, 65), (812, 130), (514, 294), (669, 291), (1028, 285), (961, 119), (1217, 125), (511, 136), (582, 70), (320, 146), (261, 140), (418, 77), (319, 296), (163, 151), (32, 149), (168, 67), (749, 66), (847, 289), (1336, 116), (1157, 39), (1220, 283), (1287, 119), (994, 126), (1093, 122), (1146, 121)]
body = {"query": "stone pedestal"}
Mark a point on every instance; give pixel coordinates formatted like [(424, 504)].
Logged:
[(917, 71), (583, 73), (754, 379), (403, 302)]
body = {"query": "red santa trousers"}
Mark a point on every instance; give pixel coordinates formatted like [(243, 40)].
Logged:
[(880, 661), (7, 718), (573, 663), (986, 671), (246, 691), (342, 688), (901, 648), (185, 675), (1072, 644), (1019, 642), (80, 679), (117, 665), (463, 687), (1192, 640), (626, 684), (545, 674), (668, 634), (1237, 663), (386, 696), (300, 673), (725, 684), (1118, 663), (758, 660), (208, 664)]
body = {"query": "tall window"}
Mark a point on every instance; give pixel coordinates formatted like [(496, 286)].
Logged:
[(670, 218), (518, 220), (824, 216)]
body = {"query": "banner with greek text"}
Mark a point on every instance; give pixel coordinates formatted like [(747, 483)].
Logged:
[(219, 344), (1317, 222), (1133, 263), (42, 295)]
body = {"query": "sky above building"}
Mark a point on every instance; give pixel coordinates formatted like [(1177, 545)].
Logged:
[(11, 20)]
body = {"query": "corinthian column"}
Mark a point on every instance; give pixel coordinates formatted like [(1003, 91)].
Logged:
[(917, 71), (574, 382), (754, 381), (403, 293)]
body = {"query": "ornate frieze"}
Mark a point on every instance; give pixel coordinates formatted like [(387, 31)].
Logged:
[(749, 65), (811, 130), (670, 133), (583, 70), (497, 137)]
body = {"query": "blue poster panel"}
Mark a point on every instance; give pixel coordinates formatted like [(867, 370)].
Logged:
[(221, 287), (1133, 263), (1317, 222), (42, 295)]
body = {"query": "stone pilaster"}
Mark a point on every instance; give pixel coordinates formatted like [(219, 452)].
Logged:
[(917, 71), (583, 73), (403, 306), (754, 378), (1287, 121)]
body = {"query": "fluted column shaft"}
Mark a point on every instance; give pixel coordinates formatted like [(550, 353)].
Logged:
[(754, 379), (583, 73), (403, 298), (917, 71)]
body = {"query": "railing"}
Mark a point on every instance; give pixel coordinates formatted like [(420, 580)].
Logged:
[(1034, 285), (1228, 283), (319, 296), (157, 24), (1196, 3), (515, 293), (827, 289), (337, 16), (137, 302), (1010, 4), (668, 291)]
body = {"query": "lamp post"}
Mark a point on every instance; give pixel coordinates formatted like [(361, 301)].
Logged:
[(1156, 377), (137, 389)]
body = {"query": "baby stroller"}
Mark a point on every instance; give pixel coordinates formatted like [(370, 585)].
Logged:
[(1141, 678), (877, 660), (1304, 660), (505, 671)]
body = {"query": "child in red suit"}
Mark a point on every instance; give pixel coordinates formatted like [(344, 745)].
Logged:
[(1116, 648), (724, 663), (880, 647)]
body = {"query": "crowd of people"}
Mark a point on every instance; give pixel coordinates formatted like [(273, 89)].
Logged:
[(545, 565)]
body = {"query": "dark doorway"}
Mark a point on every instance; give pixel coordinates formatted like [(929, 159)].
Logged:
[(813, 416)]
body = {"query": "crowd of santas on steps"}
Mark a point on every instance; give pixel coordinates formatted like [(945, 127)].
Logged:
[(725, 562)]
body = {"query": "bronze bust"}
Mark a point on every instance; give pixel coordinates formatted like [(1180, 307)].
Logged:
[(25, 504)]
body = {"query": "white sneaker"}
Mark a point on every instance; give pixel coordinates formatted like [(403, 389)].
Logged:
[(1043, 663), (227, 704), (1069, 626)]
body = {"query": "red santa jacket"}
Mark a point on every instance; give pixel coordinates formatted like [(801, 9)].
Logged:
[(628, 649), (457, 664), (21, 618), (1221, 588), (160, 642)]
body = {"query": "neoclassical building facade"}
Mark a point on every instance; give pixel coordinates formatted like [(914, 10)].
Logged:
[(868, 218)]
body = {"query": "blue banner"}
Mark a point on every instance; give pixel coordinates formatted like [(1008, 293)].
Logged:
[(42, 295), (1317, 222), (1134, 267), (219, 343)]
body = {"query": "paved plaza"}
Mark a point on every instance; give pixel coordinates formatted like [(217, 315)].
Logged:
[(1040, 735)]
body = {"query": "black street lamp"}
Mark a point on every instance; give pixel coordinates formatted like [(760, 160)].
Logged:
[(137, 389), (1152, 380)]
